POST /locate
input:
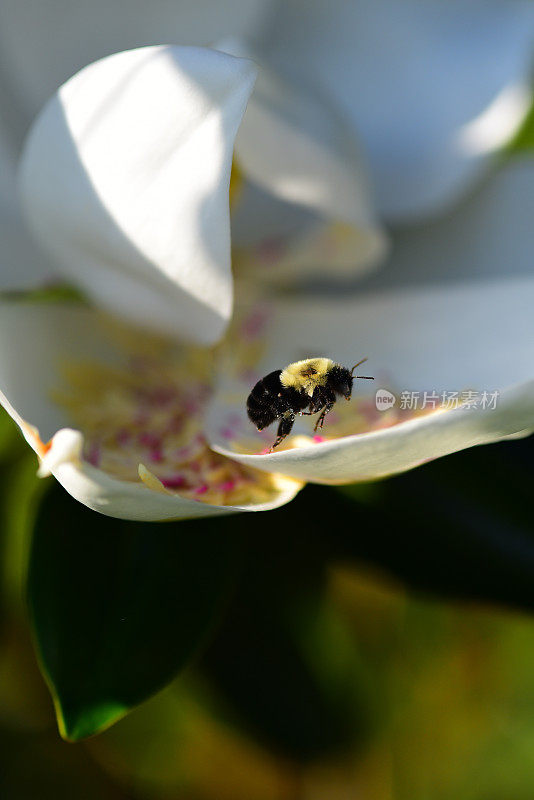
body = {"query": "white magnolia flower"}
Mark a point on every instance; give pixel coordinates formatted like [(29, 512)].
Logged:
[(43, 45), (434, 88), (125, 183), (319, 167), (125, 179)]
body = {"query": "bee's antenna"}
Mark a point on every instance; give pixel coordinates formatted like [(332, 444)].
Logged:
[(357, 365), (364, 377)]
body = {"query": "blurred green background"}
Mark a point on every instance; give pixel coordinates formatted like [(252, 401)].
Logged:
[(366, 642)]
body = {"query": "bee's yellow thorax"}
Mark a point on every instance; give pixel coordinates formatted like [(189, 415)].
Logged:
[(306, 375)]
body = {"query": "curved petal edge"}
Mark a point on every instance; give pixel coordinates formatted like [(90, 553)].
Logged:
[(125, 178)]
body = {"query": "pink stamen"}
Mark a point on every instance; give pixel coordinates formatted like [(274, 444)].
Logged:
[(94, 455), (150, 440), (270, 250), (176, 424), (156, 454), (254, 324), (156, 428), (162, 396), (174, 482), (182, 453), (123, 436)]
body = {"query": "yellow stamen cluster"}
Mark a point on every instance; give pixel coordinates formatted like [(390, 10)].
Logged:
[(143, 421)]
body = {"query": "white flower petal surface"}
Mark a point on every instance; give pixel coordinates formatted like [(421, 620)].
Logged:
[(133, 501), (21, 263), (33, 68), (279, 242), (433, 88), (125, 179), (488, 234), (320, 249), (31, 374), (123, 499), (37, 341), (464, 337), (298, 148)]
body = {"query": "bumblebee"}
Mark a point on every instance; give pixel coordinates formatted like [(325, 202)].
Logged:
[(306, 387)]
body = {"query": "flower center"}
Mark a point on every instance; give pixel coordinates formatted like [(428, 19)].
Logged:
[(143, 420)]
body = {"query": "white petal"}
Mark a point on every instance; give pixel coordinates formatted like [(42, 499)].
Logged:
[(296, 147), (7, 165), (34, 350), (281, 242), (126, 500), (125, 183), (433, 88), (369, 456), (134, 501), (21, 264), (477, 336), (33, 67), (30, 373), (489, 234), (319, 249)]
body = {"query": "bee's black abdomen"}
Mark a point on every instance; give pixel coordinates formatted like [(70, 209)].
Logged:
[(269, 400), (268, 387), (265, 403)]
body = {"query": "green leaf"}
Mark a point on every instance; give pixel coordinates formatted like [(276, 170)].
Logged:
[(283, 664), (12, 445), (523, 141), (118, 608), (53, 293), (19, 501)]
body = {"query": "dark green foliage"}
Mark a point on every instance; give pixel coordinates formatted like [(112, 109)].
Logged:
[(118, 607)]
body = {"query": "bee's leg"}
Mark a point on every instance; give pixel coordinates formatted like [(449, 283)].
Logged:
[(284, 428), (320, 421)]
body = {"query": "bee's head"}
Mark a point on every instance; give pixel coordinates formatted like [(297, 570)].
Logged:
[(341, 381)]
